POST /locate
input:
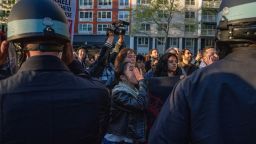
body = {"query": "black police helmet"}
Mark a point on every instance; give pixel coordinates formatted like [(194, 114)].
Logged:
[(236, 22), (37, 20)]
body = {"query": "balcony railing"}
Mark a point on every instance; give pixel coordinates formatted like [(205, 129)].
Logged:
[(86, 6), (187, 33), (188, 20), (208, 32), (211, 4), (209, 18)]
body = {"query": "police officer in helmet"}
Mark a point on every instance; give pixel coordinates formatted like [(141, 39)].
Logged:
[(217, 104), (43, 102)]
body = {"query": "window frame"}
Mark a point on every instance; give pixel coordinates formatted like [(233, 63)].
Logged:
[(87, 6), (124, 4), (104, 4), (190, 2), (102, 31), (143, 41), (100, 19), (90, 19), (85, 31)]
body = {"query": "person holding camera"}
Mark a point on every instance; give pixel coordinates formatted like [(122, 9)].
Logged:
[(103, 68), (44, 102)]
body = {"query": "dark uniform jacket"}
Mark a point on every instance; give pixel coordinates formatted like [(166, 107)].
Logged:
[(215, 105), (44, 103)]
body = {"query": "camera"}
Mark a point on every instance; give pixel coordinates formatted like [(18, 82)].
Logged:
[(118, 27)]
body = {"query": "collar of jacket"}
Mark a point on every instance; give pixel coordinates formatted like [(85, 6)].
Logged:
[(122, 86), (44, 62), (242, 54)]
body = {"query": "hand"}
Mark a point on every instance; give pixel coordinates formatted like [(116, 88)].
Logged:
[(182, 76), (110, 38), (3, 52), (67, 54), (198, 56), (138, 74), (120, 39)]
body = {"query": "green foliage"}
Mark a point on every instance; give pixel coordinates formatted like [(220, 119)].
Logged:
[(6, 8), (159, 13)]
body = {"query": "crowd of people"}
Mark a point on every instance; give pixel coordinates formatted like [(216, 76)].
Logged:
[(51, 94)]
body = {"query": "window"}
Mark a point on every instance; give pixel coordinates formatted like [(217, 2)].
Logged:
[(104, 16), (123, 15), (208, 30), (160, 41), (190, 14), (190, 28), (85, 15), (141, 2), (209, 42), (106, 4), (123, 3), (101, 28), (211, 27), (85, 28), (145, 27), (85, 4), (190, 2), (143, 41), (174, 42), (189, 43)]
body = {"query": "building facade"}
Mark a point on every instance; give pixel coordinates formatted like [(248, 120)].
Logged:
[(196, 31), (197, 28), (94, 16)]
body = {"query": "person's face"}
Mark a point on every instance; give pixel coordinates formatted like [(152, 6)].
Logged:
[(187, 56), (210, 56), (140, 64), (129, 74), (153, 64), (130, 57), (172, 64), (81, 54), (154, 54)]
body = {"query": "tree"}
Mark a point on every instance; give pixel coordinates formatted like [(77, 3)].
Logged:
[(5, 8), (161, 14)]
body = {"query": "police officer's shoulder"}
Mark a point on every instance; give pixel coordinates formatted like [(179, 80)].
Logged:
[(89, 82)]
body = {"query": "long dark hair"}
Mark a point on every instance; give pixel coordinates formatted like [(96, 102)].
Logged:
[(119, 70), (120, 63), (121, 56), (162, 65)]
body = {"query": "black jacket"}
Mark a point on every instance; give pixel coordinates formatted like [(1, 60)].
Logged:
[(44, 103), (128, 107), (215, 105)]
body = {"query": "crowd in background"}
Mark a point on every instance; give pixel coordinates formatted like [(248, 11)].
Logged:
[(127, 79), (116, 95)]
